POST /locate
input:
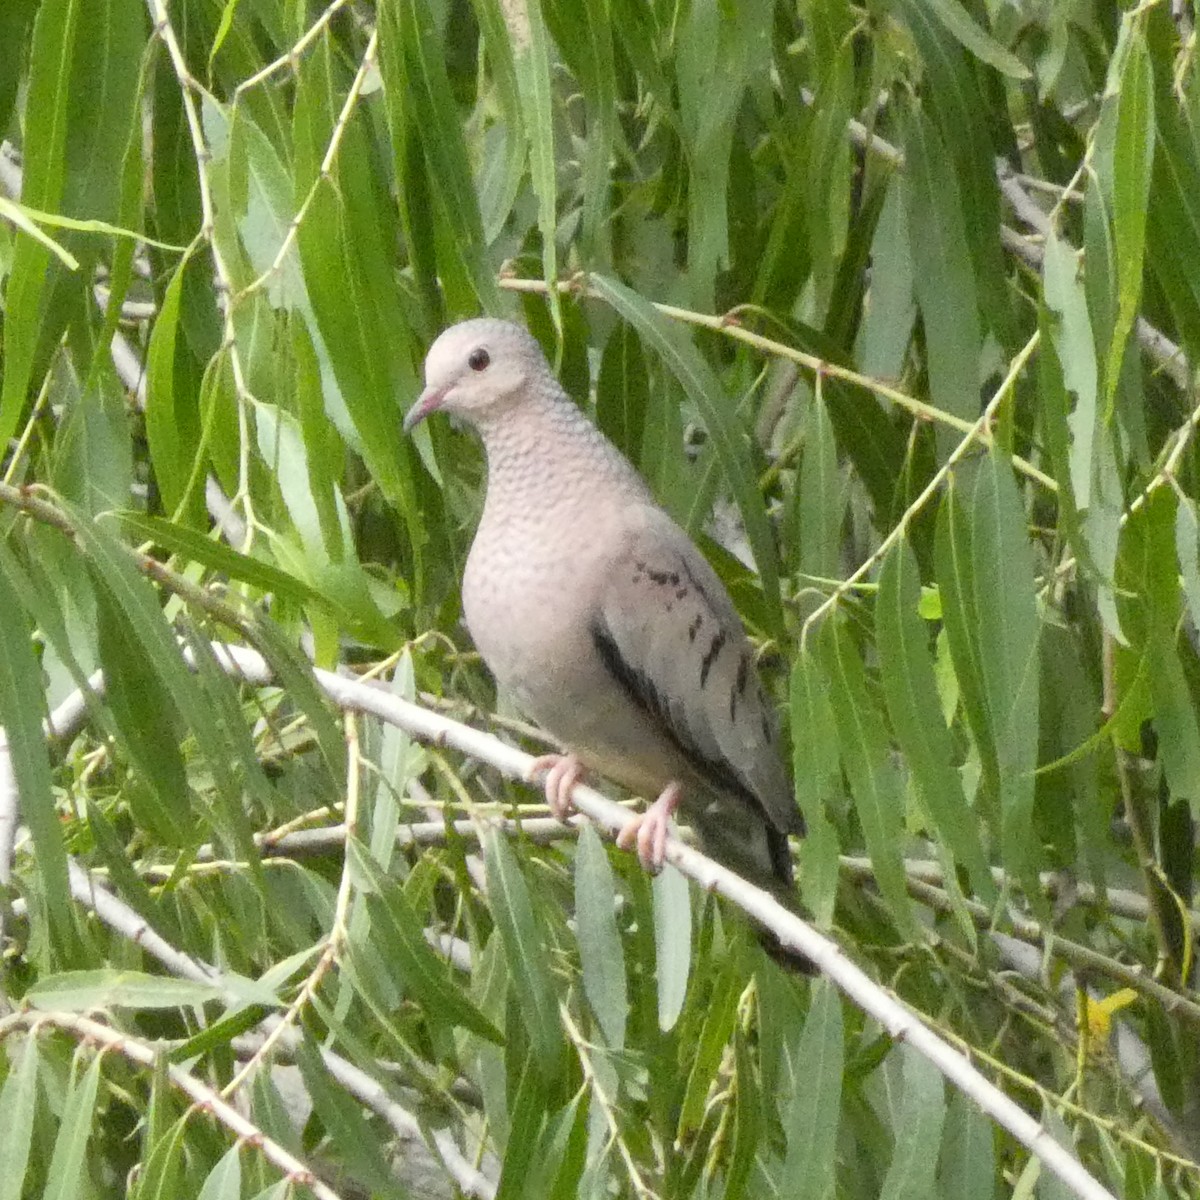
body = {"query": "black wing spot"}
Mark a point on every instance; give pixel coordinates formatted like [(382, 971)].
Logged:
[(733, 699), (680, 593), (743, 674), (710, 655), (767, 732), (642, 691), (694, 627)]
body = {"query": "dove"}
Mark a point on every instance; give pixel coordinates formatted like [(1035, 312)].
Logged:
[(603, 621)]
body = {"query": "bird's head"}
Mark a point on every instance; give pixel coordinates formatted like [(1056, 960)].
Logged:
[(474, 368)]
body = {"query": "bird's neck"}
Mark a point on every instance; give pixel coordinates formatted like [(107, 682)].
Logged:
[(545, 454)]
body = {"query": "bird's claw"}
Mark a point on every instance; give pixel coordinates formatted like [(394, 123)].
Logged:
[(648, 831), (563, 772)]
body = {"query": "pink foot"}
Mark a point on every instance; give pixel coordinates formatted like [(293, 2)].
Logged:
[(649, 830), (562, 774)]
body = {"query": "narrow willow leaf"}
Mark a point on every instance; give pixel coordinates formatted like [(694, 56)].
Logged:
[(224, 1181), (820, 497), (814, 1108), (25, 219), (198, 547), (526, 952), (977, 41), (161, 1175), (600, 952), (531, 59), (529, 1112), (719, 1017), (909, 686), (496, 202), (748, 1119), (398, 926), (107, 987), (150, 729), (968, 1159), (344, 251), (918, 1131), (1097, 492), (18, 1102), (1132, 165), (672, 943), (874, 783), (704, 390), (944, 279), (22, 704), (888, 323), (170, 432), (1001, 573), (413, 66), (622, 391), (1187, 548), (1151, 610), (815, 770), (341, 1116), (47, 115), (65, 1178), (145, 625), (1173, 219)]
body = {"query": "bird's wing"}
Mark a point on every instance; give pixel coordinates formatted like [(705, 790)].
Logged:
[(668, 632)]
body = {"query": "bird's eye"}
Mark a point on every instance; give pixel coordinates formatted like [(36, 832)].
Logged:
[(479, 359)]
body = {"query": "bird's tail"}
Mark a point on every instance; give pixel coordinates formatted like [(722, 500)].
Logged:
[(759, 853)]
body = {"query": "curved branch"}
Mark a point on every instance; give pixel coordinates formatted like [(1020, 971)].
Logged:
[(793, 933)]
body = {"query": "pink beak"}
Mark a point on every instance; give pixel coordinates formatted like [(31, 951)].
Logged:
[(430, 400)]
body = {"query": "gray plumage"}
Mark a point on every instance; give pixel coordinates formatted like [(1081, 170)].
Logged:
[(599, 615)]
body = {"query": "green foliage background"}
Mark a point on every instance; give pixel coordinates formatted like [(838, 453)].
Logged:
[(907, 294)]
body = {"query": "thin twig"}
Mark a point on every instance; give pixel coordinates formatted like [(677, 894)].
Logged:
[(931, 488), (793, 933), (202, 1096)]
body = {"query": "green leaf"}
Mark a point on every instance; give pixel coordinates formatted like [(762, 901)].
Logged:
[(171, 425), (918, 1127), (814, 1109), (18, 1103), (815, 770), (412, 61), (1151, 611), (202, 548), (341, 1116), (526, 952), (971, 37), (107, 987), (672, 943), (968, 1160), (531, 60), (944, 279), (622, 391), (1002, 575), (874, 783), (224, 1181), (47, 109), (66, 1175), (600, 952), (24, 219), (909, 686), (22, 705), (1187, 547), (720, 1014), (398, 925), (1132, 166)]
